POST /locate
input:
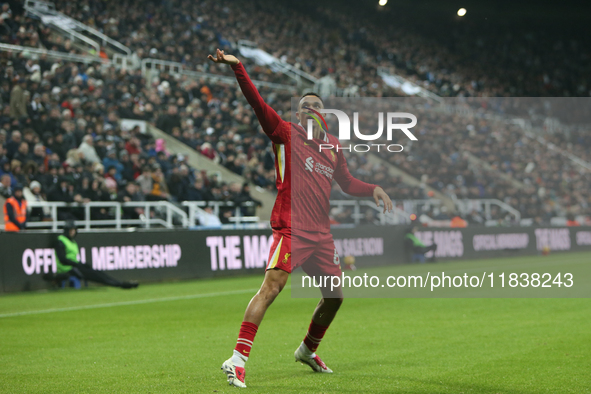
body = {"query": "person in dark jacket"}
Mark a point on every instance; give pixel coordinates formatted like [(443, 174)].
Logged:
[(245, 197), (416, 247), (66, 253)]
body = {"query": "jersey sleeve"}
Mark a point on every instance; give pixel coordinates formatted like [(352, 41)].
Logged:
[(347, 182), (276, 128)]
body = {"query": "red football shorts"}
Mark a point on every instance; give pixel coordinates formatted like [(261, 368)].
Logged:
[(314, 252)]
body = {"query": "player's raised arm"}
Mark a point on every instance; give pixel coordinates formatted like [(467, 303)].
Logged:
[(268, 118)]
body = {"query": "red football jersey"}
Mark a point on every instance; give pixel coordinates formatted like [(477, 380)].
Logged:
[(304, 175)]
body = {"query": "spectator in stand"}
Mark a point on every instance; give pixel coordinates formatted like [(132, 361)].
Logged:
[(180, 182), (22, 154), (169, 120), (129, 194), (145, 180), (110, 162), (458, 222), (58, 147), (13, 145), (5, 186), (127, 166), (244, 197), (16, 169), (33, 194), (159, 190), (198, 192), (2, 150), (571, 221), (19, 100), (88, 150), (64, 191), (40, 156)]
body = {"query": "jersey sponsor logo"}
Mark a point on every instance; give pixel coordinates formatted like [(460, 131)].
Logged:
[(310, 164), (324, 170), (319, 168)]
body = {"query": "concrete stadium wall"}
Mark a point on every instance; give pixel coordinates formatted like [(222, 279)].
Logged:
[(150, 256)]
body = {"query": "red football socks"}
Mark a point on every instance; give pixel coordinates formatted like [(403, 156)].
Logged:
[(314, 336), (245, 338)]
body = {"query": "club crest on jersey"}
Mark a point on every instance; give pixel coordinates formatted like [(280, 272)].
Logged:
[(287, 256)]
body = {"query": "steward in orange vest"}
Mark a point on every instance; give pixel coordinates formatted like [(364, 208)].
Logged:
[(15, 211), (457, 221)]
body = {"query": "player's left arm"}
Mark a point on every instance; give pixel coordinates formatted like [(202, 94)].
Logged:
[(357, 188)]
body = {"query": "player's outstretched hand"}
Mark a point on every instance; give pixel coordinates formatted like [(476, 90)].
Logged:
[(221, 57), (380, 194)]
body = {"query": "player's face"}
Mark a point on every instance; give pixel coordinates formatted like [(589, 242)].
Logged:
[(311, 102)]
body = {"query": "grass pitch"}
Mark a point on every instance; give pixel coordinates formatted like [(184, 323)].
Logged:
[(173, 338)]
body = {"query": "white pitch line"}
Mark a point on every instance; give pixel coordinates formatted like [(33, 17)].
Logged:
[(136, 302)]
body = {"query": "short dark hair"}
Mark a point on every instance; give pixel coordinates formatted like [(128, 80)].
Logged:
[(312, 94)]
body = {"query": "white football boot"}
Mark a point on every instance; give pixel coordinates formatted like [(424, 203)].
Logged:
[(234, 374), (313, 361)]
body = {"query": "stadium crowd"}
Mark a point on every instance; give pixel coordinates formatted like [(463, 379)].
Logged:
[(349, 42), (59, 137), (71, 101)]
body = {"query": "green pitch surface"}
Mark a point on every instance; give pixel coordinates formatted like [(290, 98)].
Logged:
[(173, 338)]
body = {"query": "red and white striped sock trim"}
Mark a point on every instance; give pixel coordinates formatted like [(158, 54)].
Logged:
[(314, 336), (245, 338)]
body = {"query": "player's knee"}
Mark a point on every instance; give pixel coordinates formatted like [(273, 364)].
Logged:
[(271, 288), (274, 289)]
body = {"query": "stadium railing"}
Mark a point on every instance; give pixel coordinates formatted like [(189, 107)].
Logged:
[(196, 207), (166, 214), (251, 50), (169, 215), (53, 54), (133, 63), (150, 65), (62, 22), (397, 216), (408, 87), (465, 206), (46, 12), (164, 208)]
